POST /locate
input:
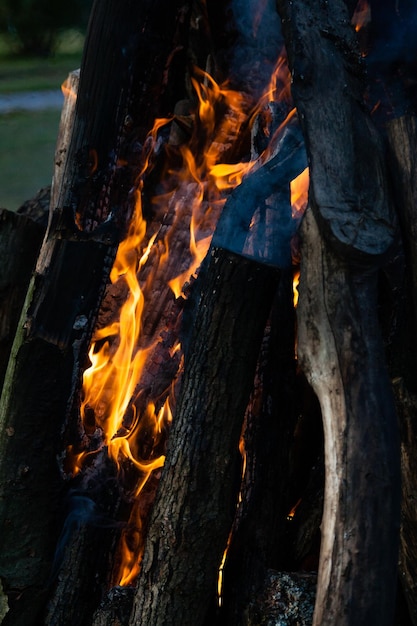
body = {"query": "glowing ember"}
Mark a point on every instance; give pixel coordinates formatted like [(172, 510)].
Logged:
[(362, 15)]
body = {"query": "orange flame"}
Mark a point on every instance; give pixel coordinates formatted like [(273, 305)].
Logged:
[(118, 358), (362, 15), (299, 193)]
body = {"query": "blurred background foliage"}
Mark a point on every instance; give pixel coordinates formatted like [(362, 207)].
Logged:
[(33, 27), (41, 41)]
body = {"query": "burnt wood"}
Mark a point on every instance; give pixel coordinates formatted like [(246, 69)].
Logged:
[(401, 136), (20, 241), (126, 56), (259, 540), (345, 152), (194, 508)]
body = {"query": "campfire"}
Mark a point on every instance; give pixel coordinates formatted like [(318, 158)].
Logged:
[(210, 353)]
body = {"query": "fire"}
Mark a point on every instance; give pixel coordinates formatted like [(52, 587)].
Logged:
[(299, 193), (123, 353), (67, 90), (279, 88), (295, 283), (362, 15)]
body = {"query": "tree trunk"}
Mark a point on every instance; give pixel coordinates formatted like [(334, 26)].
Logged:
[(194, 509), (126, 54)]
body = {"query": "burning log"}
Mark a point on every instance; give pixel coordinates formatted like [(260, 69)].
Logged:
[(260, 528), (193, 511), (339, 347), (230, 301), (212, 405), (86, 224)]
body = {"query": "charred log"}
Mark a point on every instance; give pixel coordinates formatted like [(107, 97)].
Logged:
[(194, 508), (286, 598), (88, 220), (20, 240), (258, 540), (401, 138)]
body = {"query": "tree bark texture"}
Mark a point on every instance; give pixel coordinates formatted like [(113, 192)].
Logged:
[(341, 353), (125, 58), (194, 508), (258, 542), (401, 137), (344, 149)]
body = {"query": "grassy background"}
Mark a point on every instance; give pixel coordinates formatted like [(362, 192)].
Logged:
[(27, 138)]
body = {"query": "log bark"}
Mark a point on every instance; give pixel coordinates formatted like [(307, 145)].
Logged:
[(125, 59), (342, 355), (20, 240), (194, 509), (401, 141), (345, 151), (339, 347), (258, 540)]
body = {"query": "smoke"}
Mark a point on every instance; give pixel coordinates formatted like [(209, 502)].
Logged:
[(81, 511), (393, 31), (258, 43), (392, 56)]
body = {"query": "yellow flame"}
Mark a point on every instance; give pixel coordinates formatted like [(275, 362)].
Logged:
[(196, 194), (362, 15), (295, 283)]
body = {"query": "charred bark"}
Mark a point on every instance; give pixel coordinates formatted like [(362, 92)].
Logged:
[(344, 149), (194, 509), (126, 56), (259, 540), (401, 141), (20, 240)]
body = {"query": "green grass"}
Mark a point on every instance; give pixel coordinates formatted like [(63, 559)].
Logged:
[(27, 146), (27, 139), (36, 74)]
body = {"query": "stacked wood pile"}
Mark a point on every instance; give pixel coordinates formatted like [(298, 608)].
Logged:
[(327, 437)]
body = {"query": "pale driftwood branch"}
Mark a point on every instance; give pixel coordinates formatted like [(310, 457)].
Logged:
[(341, 354)]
